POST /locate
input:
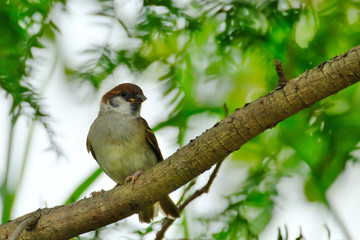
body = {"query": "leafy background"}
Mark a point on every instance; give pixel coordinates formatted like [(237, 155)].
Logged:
[(191, 58)]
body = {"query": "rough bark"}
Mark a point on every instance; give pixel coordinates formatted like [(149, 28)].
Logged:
[(227, 136)]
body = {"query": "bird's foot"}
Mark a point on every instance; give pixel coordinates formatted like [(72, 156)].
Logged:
[(95, 193), (134, 177)]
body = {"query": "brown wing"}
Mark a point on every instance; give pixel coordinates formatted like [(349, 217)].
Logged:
[(89, 148), (151, 139)]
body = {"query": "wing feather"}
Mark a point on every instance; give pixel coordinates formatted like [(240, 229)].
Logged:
[(90, 149), (151, 139)]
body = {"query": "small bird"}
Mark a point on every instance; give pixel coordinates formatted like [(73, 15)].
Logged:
[(123, 144)]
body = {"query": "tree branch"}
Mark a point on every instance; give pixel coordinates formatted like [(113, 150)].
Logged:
[(227, 136), (28, 223)]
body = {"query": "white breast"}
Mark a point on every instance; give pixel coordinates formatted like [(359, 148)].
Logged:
[(120, 146)]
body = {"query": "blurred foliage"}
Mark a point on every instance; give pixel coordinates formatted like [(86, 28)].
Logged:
[(217, 52), (250, 209), (22, 23)]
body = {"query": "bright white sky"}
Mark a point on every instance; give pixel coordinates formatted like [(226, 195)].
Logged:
[(72, 106)]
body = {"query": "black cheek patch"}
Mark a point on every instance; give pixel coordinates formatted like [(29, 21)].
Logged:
[(113, 103)]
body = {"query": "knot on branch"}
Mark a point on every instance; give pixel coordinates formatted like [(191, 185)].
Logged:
[(280, 72), (28, 223)]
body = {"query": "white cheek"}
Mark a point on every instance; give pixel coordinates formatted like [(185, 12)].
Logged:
[(122, 107)]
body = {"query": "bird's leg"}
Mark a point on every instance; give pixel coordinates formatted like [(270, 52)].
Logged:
[(134, 177)]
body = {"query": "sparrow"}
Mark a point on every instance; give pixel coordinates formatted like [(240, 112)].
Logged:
[(123, 144)]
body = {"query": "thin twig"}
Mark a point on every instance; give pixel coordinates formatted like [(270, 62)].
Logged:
[(186, 189), (28, 223), (205, 189)]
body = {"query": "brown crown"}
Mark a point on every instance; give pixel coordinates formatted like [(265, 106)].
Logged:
[(127, 87)]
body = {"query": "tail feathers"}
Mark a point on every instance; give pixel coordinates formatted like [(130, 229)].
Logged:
[(169, 208), (148, 214)]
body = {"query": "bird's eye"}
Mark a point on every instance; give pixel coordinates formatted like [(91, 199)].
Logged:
[(123, 94)]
